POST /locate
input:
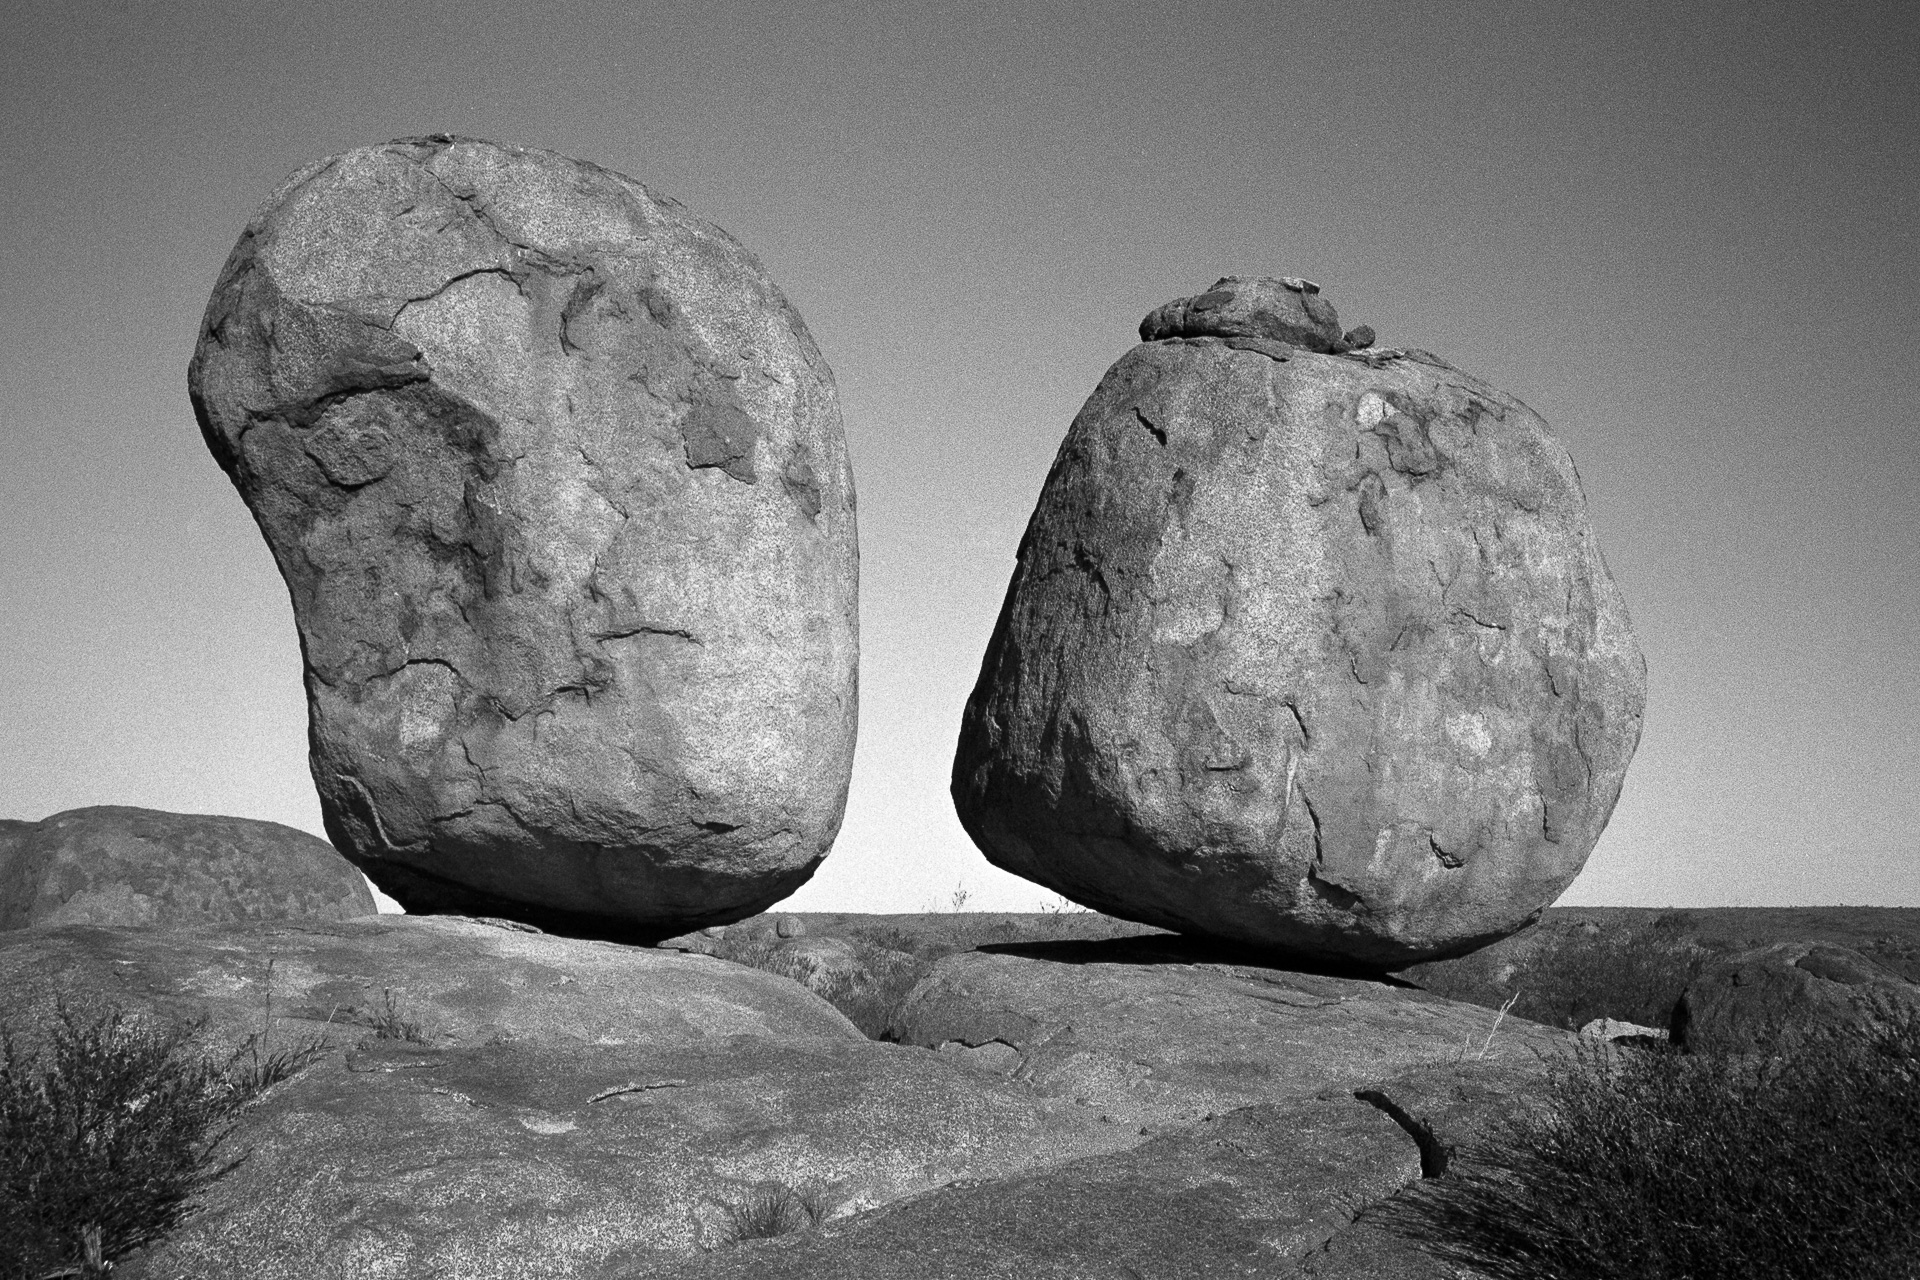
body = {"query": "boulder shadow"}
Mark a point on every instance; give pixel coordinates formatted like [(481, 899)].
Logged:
[(1180, 949)]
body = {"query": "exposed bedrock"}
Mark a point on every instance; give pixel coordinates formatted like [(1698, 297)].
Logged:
[(557, 481), (1308, 647)]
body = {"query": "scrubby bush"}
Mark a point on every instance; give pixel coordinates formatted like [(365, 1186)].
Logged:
[(1660, 1165), (108, 1129), (1568, 976)]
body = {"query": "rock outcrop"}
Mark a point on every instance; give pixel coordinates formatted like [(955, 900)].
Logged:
[(1307, 647), (557, 481), (1775, 997), (120, 866), (502, 1103)]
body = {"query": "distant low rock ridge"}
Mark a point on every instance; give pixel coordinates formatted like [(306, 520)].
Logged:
[(557, 480), (122, 867), (1309, 646)]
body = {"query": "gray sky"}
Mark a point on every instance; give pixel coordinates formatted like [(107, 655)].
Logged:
[(1685, 234)]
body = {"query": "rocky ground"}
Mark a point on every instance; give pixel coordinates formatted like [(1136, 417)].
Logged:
[(499, 1102), (1047, 1095)]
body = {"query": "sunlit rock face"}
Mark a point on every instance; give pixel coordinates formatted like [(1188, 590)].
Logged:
[(1309, 646), (557, 481)]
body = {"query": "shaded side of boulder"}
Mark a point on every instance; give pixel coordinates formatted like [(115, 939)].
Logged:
[(1306, 650), (557, 481), (1777, 997), (119, 866)]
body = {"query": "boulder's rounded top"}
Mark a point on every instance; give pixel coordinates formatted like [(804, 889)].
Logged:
[(1277, 308)]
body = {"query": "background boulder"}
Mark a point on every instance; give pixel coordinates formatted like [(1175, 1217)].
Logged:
[(1307, 649), (113, 865), (557, 480), (1775, 997)]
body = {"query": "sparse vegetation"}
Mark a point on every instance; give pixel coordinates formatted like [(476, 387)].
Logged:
[(1659, 1165), (389, 1024), (775, 1209), (869, 996), (108, 1129), (1634, 974)]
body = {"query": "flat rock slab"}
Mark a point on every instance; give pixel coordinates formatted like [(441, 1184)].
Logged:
[(522, 1160), (459, 981), (569, 1108), (1137, 1107), (1151, 1032), (116, 865), (1252, 1193)]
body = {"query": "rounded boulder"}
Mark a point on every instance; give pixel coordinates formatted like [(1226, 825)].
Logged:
[(557, 481), (1307, 647), (120, 867)]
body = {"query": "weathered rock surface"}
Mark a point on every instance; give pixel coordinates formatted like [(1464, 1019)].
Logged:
[(584, 1109), (1151, 1032), (1251, 1193), (115, 865), (1254, 1151), (557, 481), (565, 1108), (1775, 997), (1306, 649)]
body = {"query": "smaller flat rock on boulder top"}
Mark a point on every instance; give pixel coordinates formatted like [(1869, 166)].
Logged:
[(557, 480), (1777, 997), (119, 866), (1278, 309), (1308, 650)]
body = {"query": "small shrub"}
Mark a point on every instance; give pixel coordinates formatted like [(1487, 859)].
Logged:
[(107, 1132), (1659, 1165), (776, 1209)]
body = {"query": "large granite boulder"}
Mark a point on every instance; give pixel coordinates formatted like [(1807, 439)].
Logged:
[(1776, 997), (120, 866), (1308, 647), (557, 481)]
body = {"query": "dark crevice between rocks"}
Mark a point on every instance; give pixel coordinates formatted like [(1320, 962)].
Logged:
[(1434, 1155)]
